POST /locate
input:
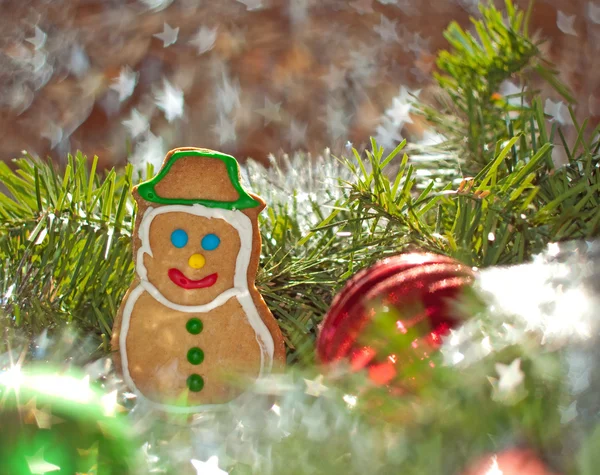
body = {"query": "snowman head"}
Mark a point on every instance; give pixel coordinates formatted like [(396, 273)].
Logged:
[(197, 230)]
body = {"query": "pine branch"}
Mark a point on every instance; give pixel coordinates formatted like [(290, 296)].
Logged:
[(65, 244), (66, 240), (471, 113), (301, 269), (509, 211)]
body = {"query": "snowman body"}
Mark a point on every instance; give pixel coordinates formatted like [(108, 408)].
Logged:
[(193, 294)]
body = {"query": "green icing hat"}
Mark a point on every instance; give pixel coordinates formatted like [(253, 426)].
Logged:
[(147, 190)]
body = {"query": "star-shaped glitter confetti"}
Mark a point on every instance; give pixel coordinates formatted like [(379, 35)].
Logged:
[(274, 384), (110, 405), (451, 355), (168, 36), (567, 414), (43, 417), (79, 63), (363, 6), (252, 4), (362, 63), (137, 124), (579, 372), (470, 5), (148, 455), (170, 101), (559, 157), (387, 30), (38, 40), (507, 89), (408, 7), (336, 122), (37, 464), (98, 368), (53, 133), (89, 458), (511, 376), (558, 112), (39, 62), (593, 12), (210, 467), (204, 39), (350, 400), (228, 96), (418, 44), (493, 468), (407, 95), (399, 112), (157, 5), (315, 387), (335, 78), (225, 130), (21, 97), (420, 76), (566, 23), (298, 11), (151, 150), (387, 134), (297, 133), (271, 111), (125, 83)]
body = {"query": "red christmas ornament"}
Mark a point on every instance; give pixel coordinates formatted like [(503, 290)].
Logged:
[(402, 281), (510, 462)]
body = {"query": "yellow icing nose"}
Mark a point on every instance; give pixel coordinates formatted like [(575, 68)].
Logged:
[(196, 261)]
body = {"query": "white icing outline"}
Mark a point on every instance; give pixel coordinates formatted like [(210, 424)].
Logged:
[(243, 225)]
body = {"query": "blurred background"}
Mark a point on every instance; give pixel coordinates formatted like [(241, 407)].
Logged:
[(130, 79)]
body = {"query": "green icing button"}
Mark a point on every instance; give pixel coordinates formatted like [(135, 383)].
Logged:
[(195, 383), (195, 355), (194, 326)]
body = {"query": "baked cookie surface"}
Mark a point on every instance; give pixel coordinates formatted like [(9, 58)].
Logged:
[(193, 328)]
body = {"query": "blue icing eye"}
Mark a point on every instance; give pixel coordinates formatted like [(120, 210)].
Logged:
[(179, 238), (210, 242)]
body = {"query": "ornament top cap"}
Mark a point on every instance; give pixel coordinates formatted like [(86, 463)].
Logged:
[(191, 176)]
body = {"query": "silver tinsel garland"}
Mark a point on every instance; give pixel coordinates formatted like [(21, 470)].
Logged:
[(551, 318)]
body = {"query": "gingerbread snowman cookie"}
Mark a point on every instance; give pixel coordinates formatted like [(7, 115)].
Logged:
[(193, 317)]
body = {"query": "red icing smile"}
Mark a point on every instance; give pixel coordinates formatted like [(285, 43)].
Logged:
[(182, 281)]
